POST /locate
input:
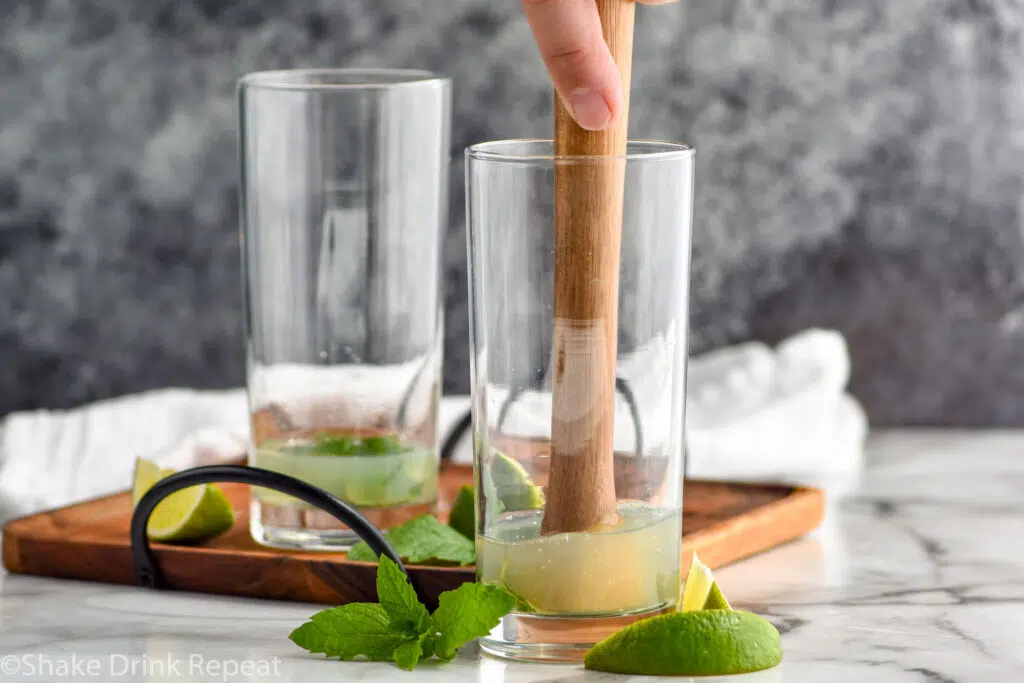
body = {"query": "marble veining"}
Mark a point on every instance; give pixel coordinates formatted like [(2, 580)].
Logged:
[(917, 576)]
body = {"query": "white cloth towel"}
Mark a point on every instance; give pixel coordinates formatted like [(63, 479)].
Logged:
[(753, 413)]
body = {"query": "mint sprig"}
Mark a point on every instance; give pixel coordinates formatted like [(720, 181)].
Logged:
[(398, 599), (399, 628), (466, 613), (423, 540), (359, 628)]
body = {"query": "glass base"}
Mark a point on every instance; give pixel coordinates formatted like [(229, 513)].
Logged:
[(287, 538), (545, 638), (303, 528)]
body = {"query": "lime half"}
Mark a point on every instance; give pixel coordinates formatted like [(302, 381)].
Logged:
[(194, 514), (704, 643)]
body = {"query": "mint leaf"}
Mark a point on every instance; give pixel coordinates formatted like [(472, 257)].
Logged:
[(523, 605), (467, 613), (383, 445), (339, 444), (331, 444), (423, 540), (407, 655), (399, 600), (427, 645), (359, 628), (312, 637)]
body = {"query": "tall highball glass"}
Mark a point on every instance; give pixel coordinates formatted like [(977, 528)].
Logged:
[(576, 587), (343, 206)]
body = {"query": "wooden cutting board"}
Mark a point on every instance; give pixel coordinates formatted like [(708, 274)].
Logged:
[(723, 522)]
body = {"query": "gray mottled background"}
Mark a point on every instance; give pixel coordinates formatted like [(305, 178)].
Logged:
[(860, 167)]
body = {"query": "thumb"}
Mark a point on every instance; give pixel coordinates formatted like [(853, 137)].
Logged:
[(568, 33)]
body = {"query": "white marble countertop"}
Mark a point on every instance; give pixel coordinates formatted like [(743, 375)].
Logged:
[(917, 576)]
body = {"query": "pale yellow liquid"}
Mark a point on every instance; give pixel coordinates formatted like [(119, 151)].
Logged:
[(383, 480), (631, 567)]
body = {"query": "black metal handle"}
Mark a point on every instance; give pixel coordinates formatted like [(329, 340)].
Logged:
[(455, 435), (146, 568), (621, 387)]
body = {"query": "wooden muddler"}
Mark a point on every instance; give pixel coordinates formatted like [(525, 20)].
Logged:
[(588, 235)]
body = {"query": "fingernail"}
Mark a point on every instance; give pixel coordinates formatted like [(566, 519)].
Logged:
[(589, 109)]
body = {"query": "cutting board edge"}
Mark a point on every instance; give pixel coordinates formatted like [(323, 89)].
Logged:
[(34, 544), (802, 512)]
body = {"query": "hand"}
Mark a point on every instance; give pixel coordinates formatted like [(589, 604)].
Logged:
[(568, 33)]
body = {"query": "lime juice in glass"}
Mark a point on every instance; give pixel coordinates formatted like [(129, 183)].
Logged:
[(390, 478), (626, 568), (579, 586)]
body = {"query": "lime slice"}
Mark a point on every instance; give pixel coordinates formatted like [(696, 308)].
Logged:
[(463, 514), (697, 588), (194, 514), (704, 643), (513, 486)]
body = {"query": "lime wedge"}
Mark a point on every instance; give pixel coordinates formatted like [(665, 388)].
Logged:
[(147, 473), (704, 643), (697, 588), (463, 514), (513, 486), (194, 514), (716, 599)]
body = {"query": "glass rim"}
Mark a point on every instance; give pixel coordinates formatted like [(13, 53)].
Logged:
[(330, 78), (657, 150)]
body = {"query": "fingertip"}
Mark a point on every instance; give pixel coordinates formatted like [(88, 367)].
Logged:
[(596, 105), (568, 33), (590, 109)]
